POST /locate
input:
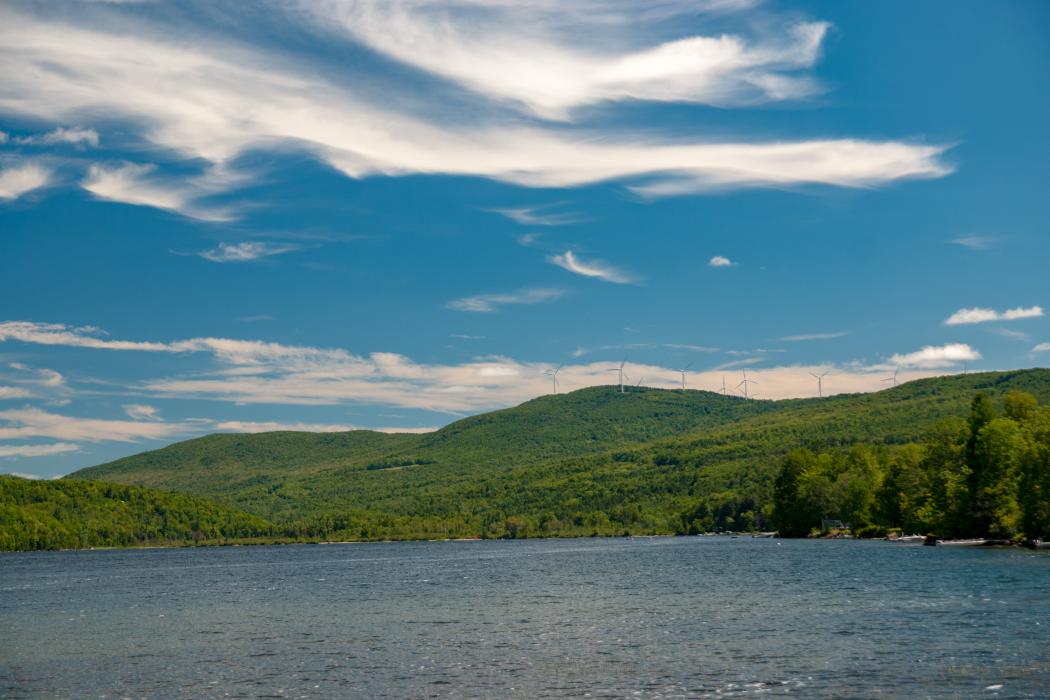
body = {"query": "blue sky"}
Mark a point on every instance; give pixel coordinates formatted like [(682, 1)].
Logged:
[(392, 214)]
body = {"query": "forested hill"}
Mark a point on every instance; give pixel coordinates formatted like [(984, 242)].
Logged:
[(81, 514), (593, 460)]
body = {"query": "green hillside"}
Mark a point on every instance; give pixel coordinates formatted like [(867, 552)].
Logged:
[(80, 514), (590, 461)]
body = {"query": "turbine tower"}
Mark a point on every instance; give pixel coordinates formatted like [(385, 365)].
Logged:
[(820, 381), (723, 385), (745, 382), (554, 376), (620, 370), (894, 377), (683, 374)]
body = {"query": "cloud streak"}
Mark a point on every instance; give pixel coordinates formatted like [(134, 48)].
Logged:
[(244, 252), (595, 268), (980, 315), (488, 303), (48, 450)]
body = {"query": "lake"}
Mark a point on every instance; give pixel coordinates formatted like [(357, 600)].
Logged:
[(650, 618)]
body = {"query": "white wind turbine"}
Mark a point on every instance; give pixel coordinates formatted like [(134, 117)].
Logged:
[(723, 385), (554, 376), (745, 382), (820, 381), (894, 377), (620, 370), (683, 370)]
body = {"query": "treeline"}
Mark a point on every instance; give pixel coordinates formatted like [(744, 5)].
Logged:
[(83, 514), (984, 476)]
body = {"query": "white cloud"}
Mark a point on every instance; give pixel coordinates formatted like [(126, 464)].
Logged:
[(720, 261), (595, 268), (815, 336), (550, 58), (974, 242), (14, 392), (1010, 333), (270, 426), (140, 185), (487, 303), (33, 422), (979, 315), (36, 451), (72, 135), (243, 252), (258, 372), (232, 98), (535, 216), (21, 177), (1042, 347), (138, 411), (936, 356)]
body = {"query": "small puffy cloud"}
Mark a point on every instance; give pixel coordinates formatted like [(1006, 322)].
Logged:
[(19, 178), (937, 356), (138, 411), (980, 315), (487, 303), (244, 252), (596, 268), (1042, 347), (720, 261), (37, 450)]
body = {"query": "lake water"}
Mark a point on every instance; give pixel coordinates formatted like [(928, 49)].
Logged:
[(656, 618)]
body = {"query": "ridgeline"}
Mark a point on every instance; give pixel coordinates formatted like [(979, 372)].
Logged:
[(591, 462)]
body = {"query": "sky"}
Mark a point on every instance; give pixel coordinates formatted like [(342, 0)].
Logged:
[(392, 214)]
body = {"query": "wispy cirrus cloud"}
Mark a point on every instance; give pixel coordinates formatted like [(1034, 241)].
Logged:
[(245, 251), (815, 336), (138, 411), (539, 216), (143, 185), (487, 303), (236, 94), (76, 136), (595, 268), (974, 242), (1042, 347), (981, 315), (550, 59), (17, 177)]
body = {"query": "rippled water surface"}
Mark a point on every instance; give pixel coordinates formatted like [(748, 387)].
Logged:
[(665, 617)]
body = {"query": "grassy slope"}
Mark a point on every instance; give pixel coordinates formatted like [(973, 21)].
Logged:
[(79, 514), (591, 450)]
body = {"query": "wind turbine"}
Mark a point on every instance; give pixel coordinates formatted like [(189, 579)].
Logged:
[(723, 385), (820, 381), (620, 370), (894, 377), (745, 382), (554, 376), (683, 374)]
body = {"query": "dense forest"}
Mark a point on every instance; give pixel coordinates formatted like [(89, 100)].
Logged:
[(986, 475), (82, 514), (597, 462)]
